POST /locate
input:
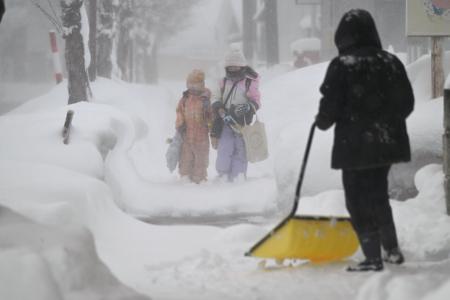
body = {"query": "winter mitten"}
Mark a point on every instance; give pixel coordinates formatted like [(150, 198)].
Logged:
[(242, 109), (227, 119)]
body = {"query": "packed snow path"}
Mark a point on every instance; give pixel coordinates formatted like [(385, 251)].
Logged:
[(147, 189)]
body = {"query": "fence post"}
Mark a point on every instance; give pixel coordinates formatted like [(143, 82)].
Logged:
[(56, 58), (437, 66), (67, 126), (446, 144)]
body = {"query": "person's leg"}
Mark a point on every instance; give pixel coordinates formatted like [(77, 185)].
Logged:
[(360, 206), (186, 162), (201, 162), (239, 161), (385, 218), (225, 151)]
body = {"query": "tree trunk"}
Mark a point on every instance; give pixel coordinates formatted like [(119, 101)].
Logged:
[(105, 39), (272, 41), (124, 41), (74, 52), (92, 70), (249, 28), (151, 63)]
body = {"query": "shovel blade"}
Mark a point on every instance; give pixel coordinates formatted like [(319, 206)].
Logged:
[(318, 239)]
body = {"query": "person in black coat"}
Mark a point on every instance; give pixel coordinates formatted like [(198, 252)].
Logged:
[(367, 96), (2, 9)]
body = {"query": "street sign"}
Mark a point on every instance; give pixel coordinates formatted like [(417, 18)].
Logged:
[(428, 18)]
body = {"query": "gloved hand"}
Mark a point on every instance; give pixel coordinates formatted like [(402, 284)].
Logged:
[(227, 119), (242, 109)]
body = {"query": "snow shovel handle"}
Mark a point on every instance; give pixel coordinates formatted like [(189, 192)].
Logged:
[(303, 169)]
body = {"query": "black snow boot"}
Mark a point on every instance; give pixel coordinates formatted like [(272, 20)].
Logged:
[(367, 265), (394, 256), (370, 245)]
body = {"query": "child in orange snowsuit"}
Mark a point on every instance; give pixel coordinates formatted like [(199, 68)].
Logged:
[(194, 117)]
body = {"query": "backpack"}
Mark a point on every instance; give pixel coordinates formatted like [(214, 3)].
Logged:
[(205, 106)]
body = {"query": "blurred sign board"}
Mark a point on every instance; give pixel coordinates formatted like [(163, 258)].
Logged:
[(428, 18), (308, 2)]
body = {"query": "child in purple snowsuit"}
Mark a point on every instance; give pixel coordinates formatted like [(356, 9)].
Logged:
[(234, 105)]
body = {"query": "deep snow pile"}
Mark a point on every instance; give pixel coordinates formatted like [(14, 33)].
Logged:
[(49, 263), (59, 185)]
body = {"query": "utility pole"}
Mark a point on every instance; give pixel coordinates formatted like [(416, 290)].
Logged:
[(446, 144), (272, 41), (437, 69), (249, 28)]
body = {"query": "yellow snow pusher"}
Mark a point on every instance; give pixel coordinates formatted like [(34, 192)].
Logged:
[(315, 238)]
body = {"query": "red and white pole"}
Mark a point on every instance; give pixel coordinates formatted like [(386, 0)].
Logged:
[(56, 58)]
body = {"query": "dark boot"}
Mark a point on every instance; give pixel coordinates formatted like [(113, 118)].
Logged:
[(370, 245), (394, 256), (389, 241), (367, 265)]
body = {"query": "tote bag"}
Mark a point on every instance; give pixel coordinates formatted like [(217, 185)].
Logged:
[(255, 140)]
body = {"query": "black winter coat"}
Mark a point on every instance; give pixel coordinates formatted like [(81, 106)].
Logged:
[(2, 9), (367, 95)]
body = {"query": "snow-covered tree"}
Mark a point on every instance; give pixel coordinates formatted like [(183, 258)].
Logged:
[(142, 26), (74, 52), (125, 19), (93, 12), (105, 38)]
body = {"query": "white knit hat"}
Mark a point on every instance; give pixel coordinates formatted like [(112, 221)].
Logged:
[(235, 57)]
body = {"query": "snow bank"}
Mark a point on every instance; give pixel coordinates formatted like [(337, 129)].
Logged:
[(60, 197), (424, 233), (329, 203), (60, 185), (420, 75), (424, 218), (42, 262), (307, 44)]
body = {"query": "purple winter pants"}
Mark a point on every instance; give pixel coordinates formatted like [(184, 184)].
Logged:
[(231, 155)]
